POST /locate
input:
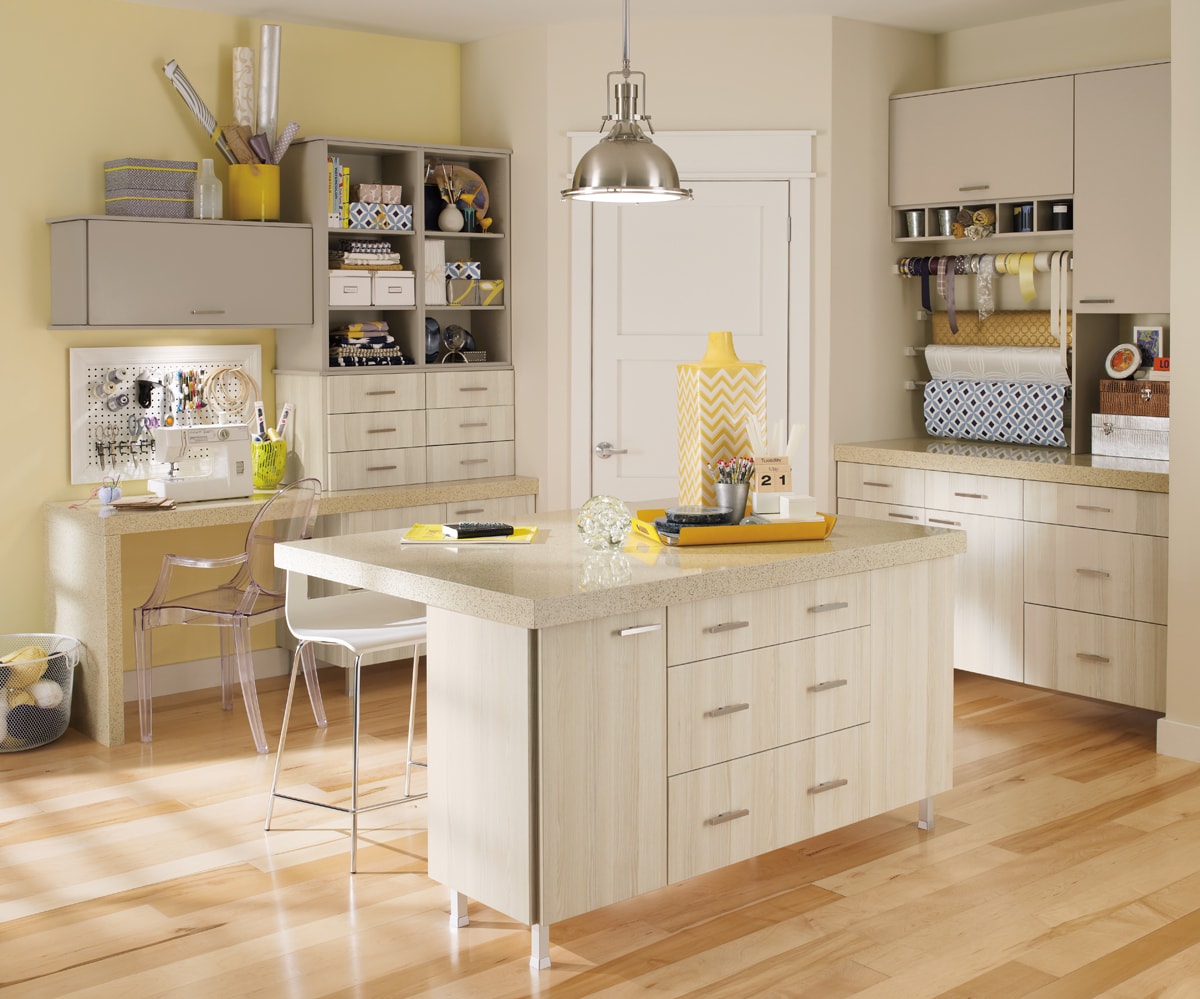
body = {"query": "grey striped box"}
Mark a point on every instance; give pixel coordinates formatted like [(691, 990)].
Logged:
[(133, 174)]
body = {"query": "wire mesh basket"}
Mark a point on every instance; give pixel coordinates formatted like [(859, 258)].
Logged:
[(36, 675)]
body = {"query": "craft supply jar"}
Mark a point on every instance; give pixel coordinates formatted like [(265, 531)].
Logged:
[(253, 192)]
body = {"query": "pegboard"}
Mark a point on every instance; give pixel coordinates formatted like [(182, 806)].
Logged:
[(182, 386)]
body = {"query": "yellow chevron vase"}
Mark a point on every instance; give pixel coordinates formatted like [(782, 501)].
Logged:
[(716, 396)]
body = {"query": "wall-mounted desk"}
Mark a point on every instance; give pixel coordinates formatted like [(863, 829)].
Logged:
[(601, 725), (84, 570)]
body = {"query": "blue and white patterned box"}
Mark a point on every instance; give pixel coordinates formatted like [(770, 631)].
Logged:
[(996, 411), (464, 269), (364, 214), (398, 217)]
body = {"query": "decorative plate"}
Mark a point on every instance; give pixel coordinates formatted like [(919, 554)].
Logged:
[(1123, 360)]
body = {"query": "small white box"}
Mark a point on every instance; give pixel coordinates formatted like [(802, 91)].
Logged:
[(349, 288), (793, 506), (394, 288), (1121, 436)]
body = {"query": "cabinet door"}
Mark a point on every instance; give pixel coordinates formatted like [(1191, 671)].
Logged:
[(932, 163), (602, 761), (881, 483), (1123, 190)]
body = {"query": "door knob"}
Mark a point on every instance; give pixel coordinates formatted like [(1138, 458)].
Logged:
[(605, 450)]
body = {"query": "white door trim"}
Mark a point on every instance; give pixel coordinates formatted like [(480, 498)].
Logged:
[(739, 155)]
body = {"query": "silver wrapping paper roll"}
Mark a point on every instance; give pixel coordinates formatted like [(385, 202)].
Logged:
[(267, 118)]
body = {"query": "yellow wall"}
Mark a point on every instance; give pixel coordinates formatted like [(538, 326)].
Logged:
[(82, 82)]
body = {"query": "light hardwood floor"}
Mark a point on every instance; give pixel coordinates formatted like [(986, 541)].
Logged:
[(1065, 863)]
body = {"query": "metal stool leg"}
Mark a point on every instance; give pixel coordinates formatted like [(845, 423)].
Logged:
[(287, 714), (357, 695), (412, 718)]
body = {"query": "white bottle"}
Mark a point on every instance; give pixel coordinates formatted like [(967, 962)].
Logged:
[(206, 195)]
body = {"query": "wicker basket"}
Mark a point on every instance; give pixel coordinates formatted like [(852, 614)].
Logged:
[(35, 689), (1135, 398)]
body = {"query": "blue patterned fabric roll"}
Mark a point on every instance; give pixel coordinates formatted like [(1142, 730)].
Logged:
[(996, 411)]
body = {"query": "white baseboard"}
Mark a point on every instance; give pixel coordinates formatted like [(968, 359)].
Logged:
[(201, 674), (1179, 739)]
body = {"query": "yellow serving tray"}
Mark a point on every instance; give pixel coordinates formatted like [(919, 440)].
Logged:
[(734, 534)]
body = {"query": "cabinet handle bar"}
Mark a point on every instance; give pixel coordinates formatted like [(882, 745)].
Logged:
[(381, 468), (822, 608), (716, 629), (828, 785), (381, 392), (716, 820), (903, 516), (972, 495), (816, 688), (474, 509), (474, 461), (975, 187), (1093, 572), (465, 426), (879, 485), (726, 709), (1093, 509), (948, 523), (1097, 301), (1091, 657), (208, 312), (473, 388), (640, 629), (382, 430)]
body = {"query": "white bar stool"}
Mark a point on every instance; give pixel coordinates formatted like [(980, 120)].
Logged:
[(362, 621)]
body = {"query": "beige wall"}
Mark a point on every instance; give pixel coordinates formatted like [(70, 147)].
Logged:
[(82, 83)]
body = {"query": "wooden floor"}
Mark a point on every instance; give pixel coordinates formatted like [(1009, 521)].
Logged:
[(1065, 863)]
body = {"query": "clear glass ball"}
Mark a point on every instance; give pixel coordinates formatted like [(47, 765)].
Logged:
[(604, 523)]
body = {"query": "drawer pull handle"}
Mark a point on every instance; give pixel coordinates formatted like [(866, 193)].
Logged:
[(474, 509), (473, 388), (716, 629), (828, 785), (975, 187), (822, 608), (972, 495), (1097, 301), (381, 392), (1091, 657), (465, 426), (903, 516), (474, 461), (948, 523), (381, 468), (1094, 572), (727, 709), (1093, 509), (879, 485), (640, 629), (208, 312), (382, 430), (816, 688), (716, 820)]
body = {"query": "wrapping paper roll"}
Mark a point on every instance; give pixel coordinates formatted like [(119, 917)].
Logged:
[(1018, 365), (996, 411)]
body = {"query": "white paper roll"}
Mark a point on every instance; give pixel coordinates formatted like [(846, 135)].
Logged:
[(1021, 365), (243, 86), (268, 83)]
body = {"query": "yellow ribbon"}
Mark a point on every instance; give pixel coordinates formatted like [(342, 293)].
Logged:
[(1025, 269)]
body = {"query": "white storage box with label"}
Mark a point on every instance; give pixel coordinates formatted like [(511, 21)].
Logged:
[(1131, 436), (349, 288), (393, 288)]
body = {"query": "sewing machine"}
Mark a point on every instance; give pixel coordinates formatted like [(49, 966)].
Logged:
[(215, 459)]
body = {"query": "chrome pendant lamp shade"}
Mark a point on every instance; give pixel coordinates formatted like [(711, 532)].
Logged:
[(625, 166)]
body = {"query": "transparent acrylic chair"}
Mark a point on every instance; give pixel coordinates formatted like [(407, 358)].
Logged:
[(253, 593), (363, 622)]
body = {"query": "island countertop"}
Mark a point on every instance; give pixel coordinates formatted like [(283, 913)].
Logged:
[(556, 579)]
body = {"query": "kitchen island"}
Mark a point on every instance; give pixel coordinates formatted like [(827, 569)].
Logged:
[(604, 724)]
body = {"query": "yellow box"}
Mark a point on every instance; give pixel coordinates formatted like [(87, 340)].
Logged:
[(253, 192)]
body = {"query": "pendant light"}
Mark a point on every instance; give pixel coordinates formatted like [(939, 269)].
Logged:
[(625, 166)]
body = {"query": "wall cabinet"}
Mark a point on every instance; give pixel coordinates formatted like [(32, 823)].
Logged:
[(137, 272)]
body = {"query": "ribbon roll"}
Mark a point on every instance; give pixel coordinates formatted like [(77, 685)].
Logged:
[(1025, 270)]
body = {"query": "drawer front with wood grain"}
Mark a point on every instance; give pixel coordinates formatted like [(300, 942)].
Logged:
[(720, 709), (719, 626), (469, 461), (376, 431), (503, 508), (459, 389), (881, 511), (470, 425), (364, 469), (987, 495), (1101, 572), (881, 484), (732, 811), (1100, 507), (374, 393), (1096, 656)]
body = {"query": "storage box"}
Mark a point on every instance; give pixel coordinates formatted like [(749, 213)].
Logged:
[(1131, 436), (391, 194), (393, 288), (349, 288), (132, 174), (464, 269), (1135, 397), (366, 192), (462, 291), (491, 291), (365, 214), (149, 204), (397, 217)]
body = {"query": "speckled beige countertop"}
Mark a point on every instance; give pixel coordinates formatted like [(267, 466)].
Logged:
[(1044, 464), (558, 580)]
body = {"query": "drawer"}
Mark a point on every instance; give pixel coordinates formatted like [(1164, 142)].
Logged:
[(1097, 506), (1102, 572), (459, 389), (881, 511), (503, 508), (721, 709), (364, 469), (1096, 656), (881, 484), (987, 495), (720, 626), (469, 461), (376, 431), (469, 425), (374, 393), (732, 811)]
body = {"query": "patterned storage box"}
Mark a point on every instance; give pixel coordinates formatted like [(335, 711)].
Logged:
[(133, 174), (149, 204), (365, 214), (464, 269), (491, 291), (1016, 328), (391, 194), (1135, 397), (996, 411), (397, 217), (462, 291), (1131, 436)]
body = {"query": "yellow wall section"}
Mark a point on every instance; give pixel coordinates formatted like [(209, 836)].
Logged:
[(82, 82)]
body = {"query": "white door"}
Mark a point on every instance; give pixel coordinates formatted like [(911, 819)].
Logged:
[(664, 276)]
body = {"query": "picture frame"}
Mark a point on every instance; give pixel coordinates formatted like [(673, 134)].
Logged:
[(1149, 340)]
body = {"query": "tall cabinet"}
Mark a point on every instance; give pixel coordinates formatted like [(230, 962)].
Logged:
[(431, 420)]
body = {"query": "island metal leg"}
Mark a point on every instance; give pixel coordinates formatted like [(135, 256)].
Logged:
[(539, 957), (925, 817)]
